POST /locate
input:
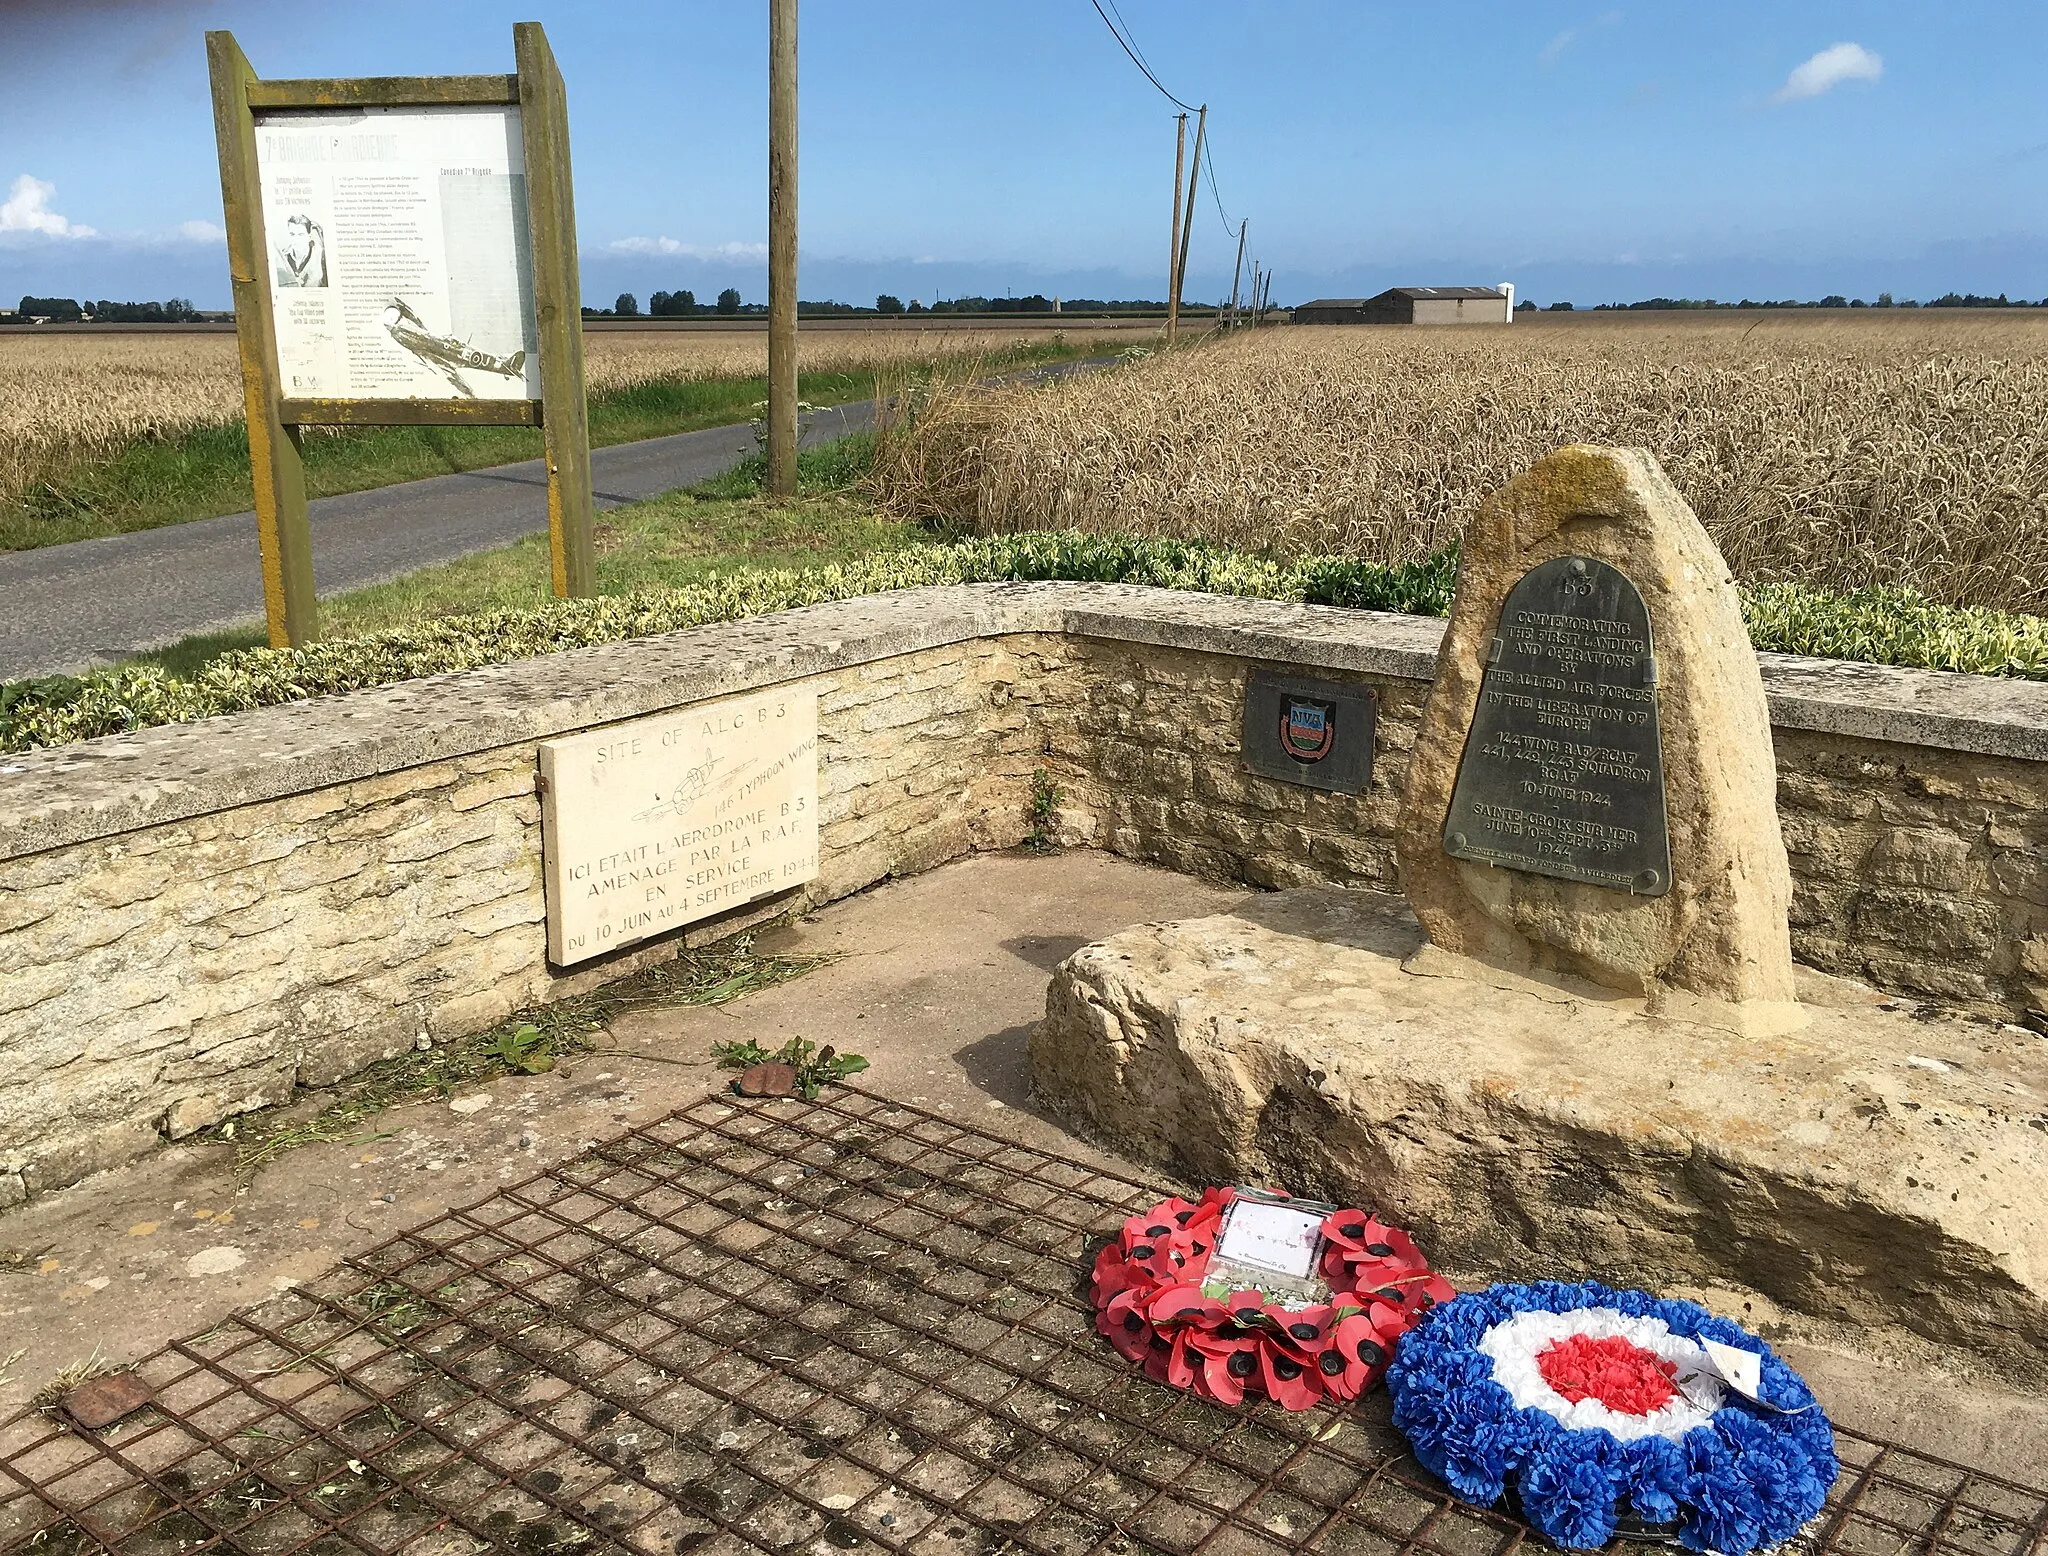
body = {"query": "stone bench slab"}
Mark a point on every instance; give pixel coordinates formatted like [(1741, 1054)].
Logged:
[(1874, 1174)]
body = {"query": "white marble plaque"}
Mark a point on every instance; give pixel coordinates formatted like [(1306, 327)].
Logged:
[(655, 824)]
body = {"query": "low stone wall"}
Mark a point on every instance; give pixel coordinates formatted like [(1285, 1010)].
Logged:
[(196, 918)]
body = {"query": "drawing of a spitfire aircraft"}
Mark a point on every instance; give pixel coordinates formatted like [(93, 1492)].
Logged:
[(445, 352)]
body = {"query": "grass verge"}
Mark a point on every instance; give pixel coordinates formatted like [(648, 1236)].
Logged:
[(669, 542), (528, 1044), (205, 472), (689, 560)]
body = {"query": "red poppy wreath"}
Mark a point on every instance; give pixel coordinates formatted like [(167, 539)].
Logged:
[(1157, 1300)]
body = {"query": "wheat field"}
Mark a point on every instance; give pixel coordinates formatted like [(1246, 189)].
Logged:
[(72, 397), (1830, 450)]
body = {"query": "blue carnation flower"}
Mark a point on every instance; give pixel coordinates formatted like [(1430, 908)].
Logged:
[(1570, 1486), (1656, 1478)]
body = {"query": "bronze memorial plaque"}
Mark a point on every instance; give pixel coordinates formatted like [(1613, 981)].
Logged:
[(1562, 773)]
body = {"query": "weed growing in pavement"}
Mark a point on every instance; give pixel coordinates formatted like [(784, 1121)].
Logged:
[(815, 1067), (529, 1044)]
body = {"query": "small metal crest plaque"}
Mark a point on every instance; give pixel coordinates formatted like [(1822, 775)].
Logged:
[(1563, 771), (1318, 733)]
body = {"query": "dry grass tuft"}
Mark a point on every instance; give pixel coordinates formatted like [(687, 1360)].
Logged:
[(67, 398), (1833, 451)]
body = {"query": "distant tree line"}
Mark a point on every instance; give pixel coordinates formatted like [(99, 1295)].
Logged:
[(671, 305), (1834, 300), (684, 304), (68, 310)]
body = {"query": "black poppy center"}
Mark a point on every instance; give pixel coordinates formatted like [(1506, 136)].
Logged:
[(1380, 1250), (1391, 1293), (1157, 1231), (1133, 1323), (1184, 1216), (1331, 1363), (1370, 1353), (1240, 1365), (1303, 1331), (1286, 1371), (1189, 1312), (1356, 1229)]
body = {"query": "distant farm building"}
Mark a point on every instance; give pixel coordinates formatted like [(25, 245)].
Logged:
[(1415, 305)]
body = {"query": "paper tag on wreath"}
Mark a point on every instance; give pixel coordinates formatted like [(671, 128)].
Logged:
[(1728, 1366), (1270, 1244)]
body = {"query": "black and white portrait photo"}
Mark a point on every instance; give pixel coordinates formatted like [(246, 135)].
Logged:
[(302, 255)]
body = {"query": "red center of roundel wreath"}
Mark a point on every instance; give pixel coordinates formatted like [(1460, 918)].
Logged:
[(1625, 1378)]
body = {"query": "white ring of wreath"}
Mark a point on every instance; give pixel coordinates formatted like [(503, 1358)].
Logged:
[(1514, 1344)]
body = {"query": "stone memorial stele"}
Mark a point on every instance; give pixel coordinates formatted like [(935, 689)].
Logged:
[(654, 824), (1592, 791)]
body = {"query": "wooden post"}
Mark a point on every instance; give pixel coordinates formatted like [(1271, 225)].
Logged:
[(1180, 157), (1237, 275), (1187, 231), (782, 418), (557, 310), (276, 468)]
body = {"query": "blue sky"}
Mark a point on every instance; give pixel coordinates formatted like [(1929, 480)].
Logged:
[(1748, 147)]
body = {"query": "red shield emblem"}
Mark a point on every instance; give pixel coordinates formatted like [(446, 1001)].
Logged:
[(1307, 728)]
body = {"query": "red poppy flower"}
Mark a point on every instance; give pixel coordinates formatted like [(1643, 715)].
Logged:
[(1361, 1349), (1365, 1237), (1248, 1308), (1171, 1359), (1163, 1262), (1122, 1322), (1300, 1332), (1112, 1274), (1185, 1306), (1293, 1384), (1229, 1359), (1169, 1218)]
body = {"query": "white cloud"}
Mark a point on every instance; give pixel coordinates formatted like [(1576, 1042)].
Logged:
[(27, 209), (1829, 69), (1548, 54), (202, 232), (665, 246)]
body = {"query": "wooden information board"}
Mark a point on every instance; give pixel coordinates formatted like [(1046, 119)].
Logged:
[(403, 252)]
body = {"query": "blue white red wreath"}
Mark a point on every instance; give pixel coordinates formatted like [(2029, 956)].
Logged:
[(1586, 1399)]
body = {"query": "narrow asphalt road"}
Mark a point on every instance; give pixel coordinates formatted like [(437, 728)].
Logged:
[(66, 608)]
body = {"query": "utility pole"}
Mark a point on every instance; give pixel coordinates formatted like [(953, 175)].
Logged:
[(1187, 231), (1180, 155), (782, 247), (1237, 275)]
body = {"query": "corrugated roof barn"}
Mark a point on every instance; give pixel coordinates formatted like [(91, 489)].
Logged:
[(1415, 305)]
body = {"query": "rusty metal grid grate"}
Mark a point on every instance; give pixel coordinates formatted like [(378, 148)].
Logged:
[(782, 1327)]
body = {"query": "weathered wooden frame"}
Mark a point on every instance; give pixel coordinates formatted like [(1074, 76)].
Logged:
[(275, 458)]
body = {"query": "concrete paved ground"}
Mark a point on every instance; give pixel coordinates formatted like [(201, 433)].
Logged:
[(939, 980), (66, 608)]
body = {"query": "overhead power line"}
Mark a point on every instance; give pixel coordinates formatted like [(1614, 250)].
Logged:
[(1209, 165), (1205, 162), (1136, 58)]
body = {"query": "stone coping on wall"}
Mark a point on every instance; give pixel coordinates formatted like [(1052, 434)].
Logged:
[(119, 783)]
